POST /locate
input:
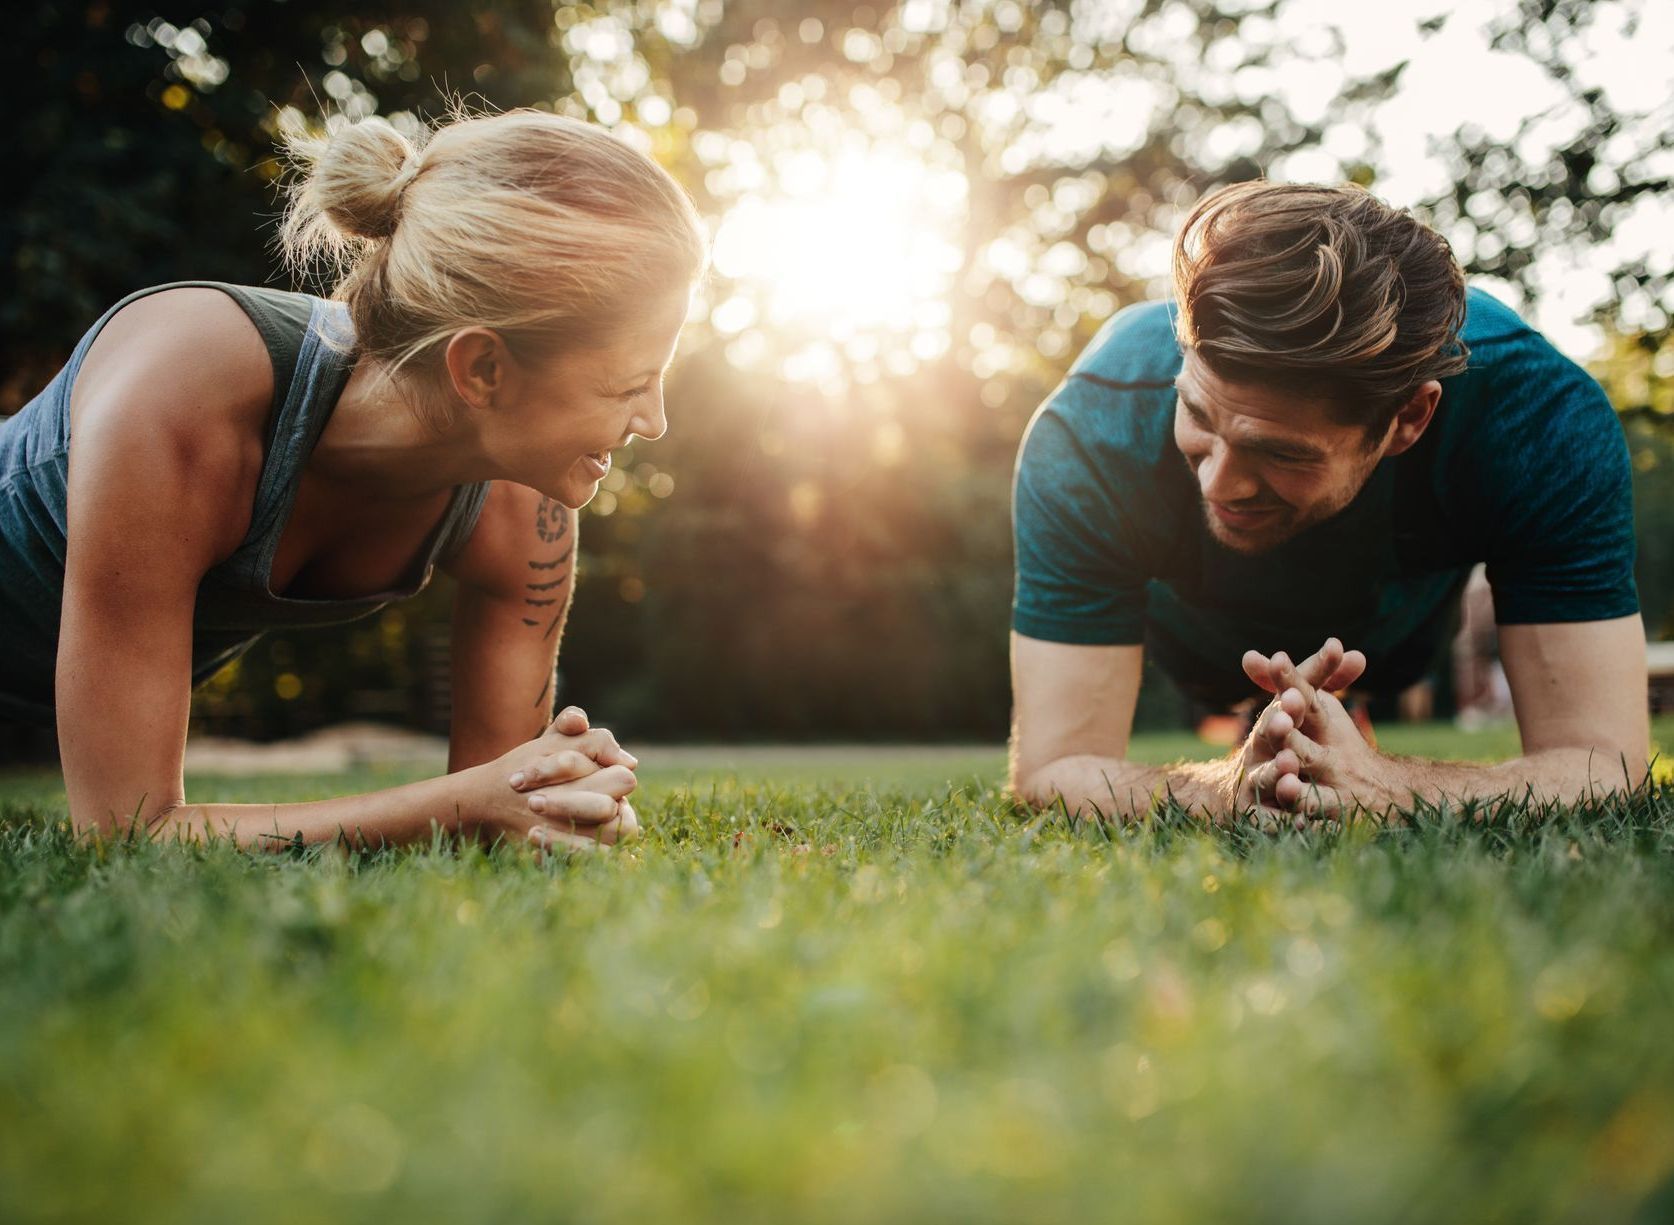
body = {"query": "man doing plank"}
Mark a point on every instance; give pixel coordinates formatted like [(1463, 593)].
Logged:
[(1317, 439)]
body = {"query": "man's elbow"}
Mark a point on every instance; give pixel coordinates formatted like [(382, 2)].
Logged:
[(1583, 770), (1033, 788), (1618, 766)]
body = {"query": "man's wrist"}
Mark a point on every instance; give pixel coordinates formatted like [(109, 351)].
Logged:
[(1206, 787)]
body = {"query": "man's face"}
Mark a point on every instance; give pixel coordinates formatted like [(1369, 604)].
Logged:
[(1267, 463)]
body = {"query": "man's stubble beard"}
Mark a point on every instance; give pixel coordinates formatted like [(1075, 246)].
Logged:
[(1293, 525)]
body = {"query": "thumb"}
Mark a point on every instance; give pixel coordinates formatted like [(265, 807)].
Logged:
[(571, 721), (1334, 719)]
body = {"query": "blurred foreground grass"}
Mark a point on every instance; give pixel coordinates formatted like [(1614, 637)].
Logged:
[(804, 998)]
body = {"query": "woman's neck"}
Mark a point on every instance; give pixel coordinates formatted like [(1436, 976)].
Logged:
[(379, 443)]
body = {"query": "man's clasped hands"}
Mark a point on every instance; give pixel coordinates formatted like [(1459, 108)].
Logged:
[(1305, 761)]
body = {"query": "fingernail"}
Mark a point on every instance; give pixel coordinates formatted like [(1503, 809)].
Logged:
[(537, 803), (517, 779), (630, 758)]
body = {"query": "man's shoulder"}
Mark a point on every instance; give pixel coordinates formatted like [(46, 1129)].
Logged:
[(1516, 380), (1489, 321), (1136, 348), (1117, 399)]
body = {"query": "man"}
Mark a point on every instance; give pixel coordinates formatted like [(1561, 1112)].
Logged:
[(1317, 439)]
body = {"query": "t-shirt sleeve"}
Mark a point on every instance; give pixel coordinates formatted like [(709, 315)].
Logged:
[(1557, 494), (1077, 581)]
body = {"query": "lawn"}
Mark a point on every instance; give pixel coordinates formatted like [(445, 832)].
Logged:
[(808, 997)]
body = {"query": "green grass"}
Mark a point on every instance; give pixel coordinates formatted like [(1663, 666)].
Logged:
[(800, 998)]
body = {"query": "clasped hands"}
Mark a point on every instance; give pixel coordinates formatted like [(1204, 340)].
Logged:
[(566, 788), (1305, 760)]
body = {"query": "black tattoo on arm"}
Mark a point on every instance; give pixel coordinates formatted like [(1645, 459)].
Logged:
[(552, 521), (553, 564), (552, 526)]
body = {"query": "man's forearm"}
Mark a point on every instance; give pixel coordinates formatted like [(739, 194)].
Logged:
[(1125, 790), (1565, 776)]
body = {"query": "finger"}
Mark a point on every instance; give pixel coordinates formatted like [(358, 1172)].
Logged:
[(1288, 790), (623, 827), (1286, 674), (1334, 718), (1317, 803), (1263, 781), (1319, 666), (601, 746), (1348, 672), (571, 721), (1312, 758), (1274, 725), (628, 822), (546, 838), (617, 782), (569, 805), (1260, 670), (561, 767)]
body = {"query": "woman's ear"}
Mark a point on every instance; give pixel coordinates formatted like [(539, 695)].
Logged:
[(479, 366)]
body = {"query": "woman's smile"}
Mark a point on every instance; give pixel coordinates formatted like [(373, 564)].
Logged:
[(596, 464)]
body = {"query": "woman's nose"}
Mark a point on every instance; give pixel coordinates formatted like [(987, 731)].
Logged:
[(652, 422)]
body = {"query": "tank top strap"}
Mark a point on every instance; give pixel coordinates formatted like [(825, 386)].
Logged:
[(324, 360), (461, 520)]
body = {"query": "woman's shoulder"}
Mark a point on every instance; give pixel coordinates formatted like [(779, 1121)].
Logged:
[(177, 385), (186, 357)]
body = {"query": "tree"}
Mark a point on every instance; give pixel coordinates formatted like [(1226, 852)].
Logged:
[(821, 545)]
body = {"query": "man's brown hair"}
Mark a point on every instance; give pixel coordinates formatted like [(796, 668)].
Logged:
[(1324, 291)]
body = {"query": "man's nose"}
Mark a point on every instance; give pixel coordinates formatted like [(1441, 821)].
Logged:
[(1222, 478)]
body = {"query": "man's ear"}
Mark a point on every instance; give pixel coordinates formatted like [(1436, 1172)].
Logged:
[(478, 365), (1414, 417)]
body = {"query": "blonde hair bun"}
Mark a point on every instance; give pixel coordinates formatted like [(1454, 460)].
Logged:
[(351, 187), (549, 230)]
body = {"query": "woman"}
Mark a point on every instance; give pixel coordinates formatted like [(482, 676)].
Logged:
[(217, 460)]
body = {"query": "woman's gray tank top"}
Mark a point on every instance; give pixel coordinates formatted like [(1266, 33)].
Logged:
[(311, 344)]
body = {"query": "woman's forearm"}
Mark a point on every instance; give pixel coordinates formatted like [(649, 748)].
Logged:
[(404, 814)]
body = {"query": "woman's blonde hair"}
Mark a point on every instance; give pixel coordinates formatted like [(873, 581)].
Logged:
[(1320, 290), (548, 230)]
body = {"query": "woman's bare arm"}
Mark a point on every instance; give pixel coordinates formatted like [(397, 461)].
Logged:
[(515, 578), (160, 487)]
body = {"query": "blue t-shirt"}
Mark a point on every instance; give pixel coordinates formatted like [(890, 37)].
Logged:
[(1524, 467)]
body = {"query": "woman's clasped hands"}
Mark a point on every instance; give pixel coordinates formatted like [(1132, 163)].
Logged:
[(567, 788)]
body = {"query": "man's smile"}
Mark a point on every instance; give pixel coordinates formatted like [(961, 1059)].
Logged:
[(1243, 518)]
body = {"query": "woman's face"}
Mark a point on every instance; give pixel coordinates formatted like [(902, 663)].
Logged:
[(558, 420)]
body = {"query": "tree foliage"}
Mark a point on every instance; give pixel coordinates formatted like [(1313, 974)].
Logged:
[(821, 546)]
